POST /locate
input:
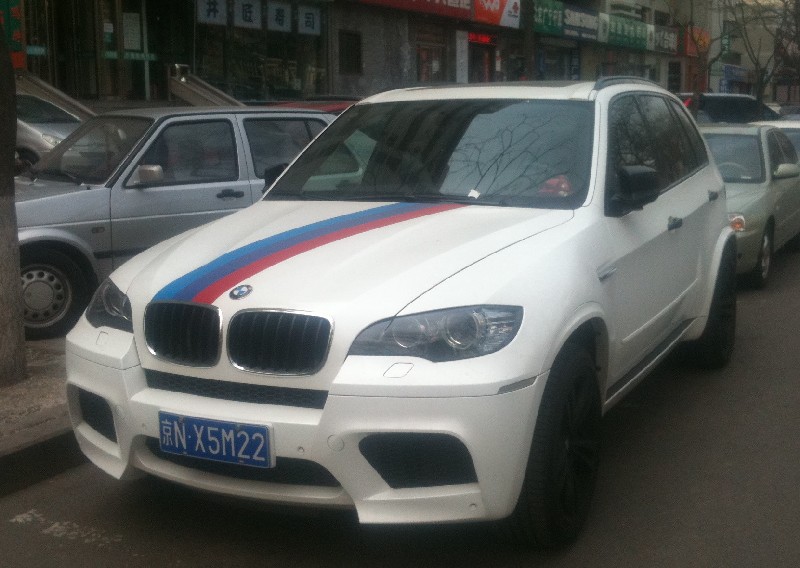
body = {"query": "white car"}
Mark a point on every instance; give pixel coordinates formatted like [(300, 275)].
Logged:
[(427, 331)]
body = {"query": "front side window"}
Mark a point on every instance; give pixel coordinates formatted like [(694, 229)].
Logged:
[(493, 152), (194, 152), (629, 141)]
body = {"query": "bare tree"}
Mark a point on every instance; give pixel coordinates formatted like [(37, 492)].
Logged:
[(757, 27), (12, 335)]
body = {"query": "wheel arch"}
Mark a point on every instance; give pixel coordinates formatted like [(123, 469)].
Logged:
[(590, 331), (726, 239), (74, 251)]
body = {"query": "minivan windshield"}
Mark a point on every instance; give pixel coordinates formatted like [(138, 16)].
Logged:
[(524, 153), (94, 151)]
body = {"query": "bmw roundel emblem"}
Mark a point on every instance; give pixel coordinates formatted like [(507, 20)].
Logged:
[(240, 292)]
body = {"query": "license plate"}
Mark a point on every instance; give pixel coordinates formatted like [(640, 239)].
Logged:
[(217, 440)]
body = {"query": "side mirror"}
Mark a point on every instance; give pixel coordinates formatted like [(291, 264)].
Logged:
[(785, 171), (148, 175), (638, 186)]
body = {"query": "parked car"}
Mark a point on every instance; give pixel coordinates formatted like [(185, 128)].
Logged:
[(760, 169), (40, 126), (431, 337), (126, 180), (729, 107)]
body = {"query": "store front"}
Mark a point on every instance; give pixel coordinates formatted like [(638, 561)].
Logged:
[(260, 50)]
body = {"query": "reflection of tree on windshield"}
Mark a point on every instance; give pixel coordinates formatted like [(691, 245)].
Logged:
[(511, 152)]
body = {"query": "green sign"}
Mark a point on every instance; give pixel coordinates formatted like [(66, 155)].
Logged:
[(625, 32), (549, 17)]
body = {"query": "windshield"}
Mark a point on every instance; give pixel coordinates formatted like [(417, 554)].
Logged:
[(738, 157), (493, 152), (93, 152)]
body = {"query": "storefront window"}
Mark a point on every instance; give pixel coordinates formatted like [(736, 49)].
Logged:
[(271, 51)]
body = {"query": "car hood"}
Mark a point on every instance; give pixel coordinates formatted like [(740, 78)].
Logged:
[(27, 189), (328, 256)]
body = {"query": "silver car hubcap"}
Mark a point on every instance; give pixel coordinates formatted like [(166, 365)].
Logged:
[(765, 256), (46, 295)]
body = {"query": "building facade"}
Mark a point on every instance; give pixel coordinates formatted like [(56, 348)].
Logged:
[(261, 50)]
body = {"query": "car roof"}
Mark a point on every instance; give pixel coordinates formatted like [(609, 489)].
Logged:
[(555, 90), (158, 113)]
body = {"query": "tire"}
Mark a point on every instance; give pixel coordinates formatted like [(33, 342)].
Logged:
[(713, 350), (55, 293), (565, 454), (760, 275)]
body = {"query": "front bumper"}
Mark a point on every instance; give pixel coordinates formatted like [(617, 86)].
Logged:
[(115, 418)]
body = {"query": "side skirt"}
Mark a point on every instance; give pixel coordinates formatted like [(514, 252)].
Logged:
[(615, 392)]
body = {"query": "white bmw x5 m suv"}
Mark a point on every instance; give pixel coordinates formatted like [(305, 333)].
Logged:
[(428, 313)]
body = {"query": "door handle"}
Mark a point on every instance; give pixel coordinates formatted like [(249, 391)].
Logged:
[(230, 194), (713, 195), (674, 223)]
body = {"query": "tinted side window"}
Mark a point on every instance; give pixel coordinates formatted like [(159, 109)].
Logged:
[(689, 129), (675, 157), (789, 153), (776, 156), (277, 141), (629, 141)]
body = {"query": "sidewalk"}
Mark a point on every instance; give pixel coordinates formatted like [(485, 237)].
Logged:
[(35, 410)]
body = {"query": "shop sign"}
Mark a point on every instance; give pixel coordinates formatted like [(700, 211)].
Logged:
[(503, 13), (735, 73), (549, 17), (247, 14), (665, 40), (580, 23), (309, 20), (212, 12), (11, 19), (625, 32), (461, 9), (279, 17)]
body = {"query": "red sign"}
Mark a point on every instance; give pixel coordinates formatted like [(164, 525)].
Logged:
[(498, 12), (486, 39), (461, 9)]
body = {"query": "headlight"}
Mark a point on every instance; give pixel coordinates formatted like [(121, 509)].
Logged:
[(737, 222), (50, 139), (442, 335), (110, 307)]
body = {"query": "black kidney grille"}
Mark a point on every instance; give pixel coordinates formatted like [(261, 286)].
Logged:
[(187, 334), (283, 343)]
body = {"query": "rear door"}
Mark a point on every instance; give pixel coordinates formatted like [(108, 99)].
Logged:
[(204, 176)]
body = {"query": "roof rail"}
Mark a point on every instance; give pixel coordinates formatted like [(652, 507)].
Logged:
[(604, 82)]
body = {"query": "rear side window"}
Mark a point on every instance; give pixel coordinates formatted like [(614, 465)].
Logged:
[(276, 142)]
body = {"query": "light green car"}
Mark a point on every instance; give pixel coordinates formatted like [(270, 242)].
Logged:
[(762, 176)]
